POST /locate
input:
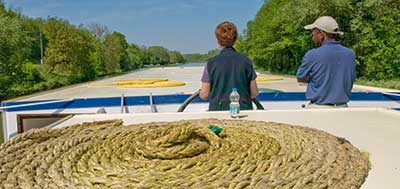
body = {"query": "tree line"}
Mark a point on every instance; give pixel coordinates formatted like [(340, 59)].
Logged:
[(198, 57), (277, 41), (72, 53)]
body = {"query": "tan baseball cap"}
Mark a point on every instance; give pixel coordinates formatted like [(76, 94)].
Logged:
[(326, 24)]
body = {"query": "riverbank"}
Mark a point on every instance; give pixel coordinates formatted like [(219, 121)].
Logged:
[(361, 84), (32, 94), (190, 73), (389, 84)]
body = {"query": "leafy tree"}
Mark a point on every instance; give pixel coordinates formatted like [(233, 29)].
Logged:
[(14, 51), (176, 57), (158, 55), (277, 41), (144, 55), (377, 44), (134, 53), (33, 28), (114, 53), (7, 13), (212, 53), (197, 57), (72, 54), (2, 7), (68, 50), (32, 74), (97, 58), (98, 30)]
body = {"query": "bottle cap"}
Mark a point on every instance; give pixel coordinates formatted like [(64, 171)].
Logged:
[(234, 90)]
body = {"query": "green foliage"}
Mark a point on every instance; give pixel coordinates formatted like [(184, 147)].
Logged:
[(197, 57), (176, 57), (158, 55), (32, 73), (212, 53), (32, 28), (113, 52), (99, 31), (144, 56), (277, 41), (68, 50), (14, 51), (134, 53), (96, 58), (390, 84), (378, 42), (72, 54), (2, 7)]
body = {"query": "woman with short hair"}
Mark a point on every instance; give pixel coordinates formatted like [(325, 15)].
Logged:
[(229, 69)]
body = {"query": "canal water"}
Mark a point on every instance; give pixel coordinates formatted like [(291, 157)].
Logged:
[(189, 73)]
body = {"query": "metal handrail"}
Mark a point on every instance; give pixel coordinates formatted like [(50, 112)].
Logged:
[(188, 101), (390, 94), (153, 107)]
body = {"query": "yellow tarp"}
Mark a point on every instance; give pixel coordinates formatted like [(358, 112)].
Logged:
[(266, 79), (142, 83)]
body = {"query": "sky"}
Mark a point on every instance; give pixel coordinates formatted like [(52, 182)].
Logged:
[(183, 25)]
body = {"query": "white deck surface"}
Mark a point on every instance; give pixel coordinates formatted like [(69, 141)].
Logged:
[(375, 130)]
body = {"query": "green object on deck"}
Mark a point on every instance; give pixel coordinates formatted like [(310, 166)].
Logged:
[(216, 130)]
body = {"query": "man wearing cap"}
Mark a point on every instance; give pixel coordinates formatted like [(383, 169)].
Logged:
[(328, 69)]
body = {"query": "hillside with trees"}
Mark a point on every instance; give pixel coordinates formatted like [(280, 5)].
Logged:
[(277, 41), (72, 54)]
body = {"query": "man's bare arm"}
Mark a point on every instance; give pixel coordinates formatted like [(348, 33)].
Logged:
[(204, 91), (253, 89)]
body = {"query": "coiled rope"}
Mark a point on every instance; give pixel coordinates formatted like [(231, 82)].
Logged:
[(182, 154)]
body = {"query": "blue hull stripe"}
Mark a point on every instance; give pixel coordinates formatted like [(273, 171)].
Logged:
[(177, 99)]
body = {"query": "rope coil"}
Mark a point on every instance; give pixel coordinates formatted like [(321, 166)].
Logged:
[(181, 154)]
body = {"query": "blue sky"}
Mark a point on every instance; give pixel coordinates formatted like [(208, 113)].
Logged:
[(183, 25)]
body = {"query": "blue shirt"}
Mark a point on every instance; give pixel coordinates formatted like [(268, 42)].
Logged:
[(331, 69)]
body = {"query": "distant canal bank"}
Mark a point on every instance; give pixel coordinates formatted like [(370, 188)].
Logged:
[(189, 73)]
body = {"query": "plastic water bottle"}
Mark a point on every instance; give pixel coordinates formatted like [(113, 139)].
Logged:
[(234, 107)]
